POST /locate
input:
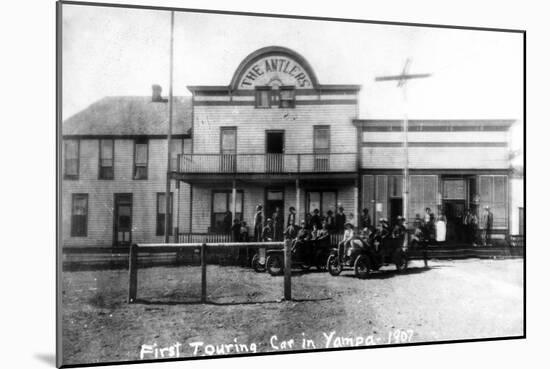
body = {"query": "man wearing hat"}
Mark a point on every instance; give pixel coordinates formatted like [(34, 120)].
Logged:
[(258, 223), (487, 224), (399, 228)]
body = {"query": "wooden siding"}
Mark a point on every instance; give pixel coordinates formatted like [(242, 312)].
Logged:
[(101, 194), (481, 136), (252, 123), (436, 157)]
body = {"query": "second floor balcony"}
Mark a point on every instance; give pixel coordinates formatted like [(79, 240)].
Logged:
[(267, 163)]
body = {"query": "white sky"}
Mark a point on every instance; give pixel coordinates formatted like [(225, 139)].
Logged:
[(111, 51)]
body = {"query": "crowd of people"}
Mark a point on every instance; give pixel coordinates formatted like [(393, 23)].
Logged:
[(315, 225)]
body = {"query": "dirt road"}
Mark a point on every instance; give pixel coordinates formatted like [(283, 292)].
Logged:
[(459, 299)]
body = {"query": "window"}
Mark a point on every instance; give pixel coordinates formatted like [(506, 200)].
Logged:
[(263, 97), (71, 151), (493, 193), (321, 200), (321, 139), (287, 97), (396, 186), (79, 215), (140, 158), (106, 156), (176, 148), (228, 148), (222, 202), (423, 191), (161, 213), (321, 148)]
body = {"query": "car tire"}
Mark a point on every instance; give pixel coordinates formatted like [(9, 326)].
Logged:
[(362, 267), (257, 265), (333, 266), (274, 265)]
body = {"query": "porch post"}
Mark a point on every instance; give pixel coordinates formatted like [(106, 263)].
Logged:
[(298, 200), (178, 200), (356, 203), (234, 202)]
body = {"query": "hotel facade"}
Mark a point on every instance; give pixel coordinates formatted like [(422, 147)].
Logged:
[(275, 136)]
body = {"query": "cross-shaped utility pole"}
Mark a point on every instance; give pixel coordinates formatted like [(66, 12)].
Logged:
[(402, 80)]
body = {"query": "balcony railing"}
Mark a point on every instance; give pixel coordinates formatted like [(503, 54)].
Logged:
[(267, 163)]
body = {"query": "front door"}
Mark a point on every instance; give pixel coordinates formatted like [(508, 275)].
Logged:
[(396, 209), (275, 147), (454, 212), (123, 219)]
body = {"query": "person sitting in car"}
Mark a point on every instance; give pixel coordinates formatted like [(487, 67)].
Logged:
[(349, 235), (302, 237), (399, 229)]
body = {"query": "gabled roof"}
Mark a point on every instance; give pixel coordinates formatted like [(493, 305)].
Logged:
[(130, 116)]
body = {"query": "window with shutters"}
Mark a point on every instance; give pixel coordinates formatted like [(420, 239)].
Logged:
[(141, 157), (493, 192), (79, 215), (71, 150), (106, 159)]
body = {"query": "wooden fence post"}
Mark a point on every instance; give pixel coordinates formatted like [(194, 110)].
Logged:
[(288, 269), (132, 272), (203, 272)]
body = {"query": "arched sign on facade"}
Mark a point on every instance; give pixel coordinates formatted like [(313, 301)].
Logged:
[(274, 66)]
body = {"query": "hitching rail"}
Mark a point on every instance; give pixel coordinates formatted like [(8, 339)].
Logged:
[(174, 247)]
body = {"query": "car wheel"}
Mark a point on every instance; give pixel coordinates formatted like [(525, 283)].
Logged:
[(274, 265), (257, 265), (362, 266), (333, 266)]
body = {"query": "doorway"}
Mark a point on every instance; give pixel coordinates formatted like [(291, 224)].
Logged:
[(454, 212), (122, 228), (274, 148), (396, 209), (275, 200)]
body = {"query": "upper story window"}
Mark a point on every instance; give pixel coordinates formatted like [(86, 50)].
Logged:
[(287, 97), (321, 139), (263, 97), (106, 159), (141, 157), (71, 149)]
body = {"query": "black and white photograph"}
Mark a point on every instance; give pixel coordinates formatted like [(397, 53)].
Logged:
[(235, 184)]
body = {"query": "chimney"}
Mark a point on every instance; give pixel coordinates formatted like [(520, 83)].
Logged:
[(157, 94)]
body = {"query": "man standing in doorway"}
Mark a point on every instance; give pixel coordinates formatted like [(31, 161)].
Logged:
[(487, 224), (258, 224)]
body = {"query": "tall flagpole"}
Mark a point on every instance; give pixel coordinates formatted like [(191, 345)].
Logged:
[(168, 209), (402, 80)]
